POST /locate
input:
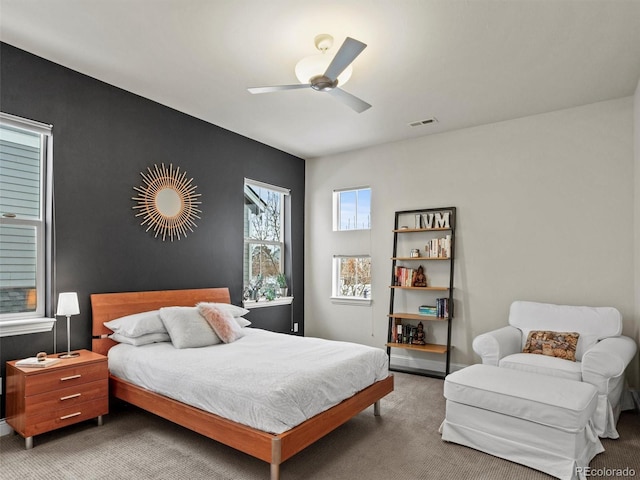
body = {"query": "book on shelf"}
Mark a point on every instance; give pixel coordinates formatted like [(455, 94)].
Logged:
[(34, 362), (403, 276), (442, 307), (438, 248), (397, 334), (404, 333), (427, 310)]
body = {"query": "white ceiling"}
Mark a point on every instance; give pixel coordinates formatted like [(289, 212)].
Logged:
[(465, 62)]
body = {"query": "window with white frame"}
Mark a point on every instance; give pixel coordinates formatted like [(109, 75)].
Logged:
[(25, 156), (264, 240), (352, 277), (352, 209)]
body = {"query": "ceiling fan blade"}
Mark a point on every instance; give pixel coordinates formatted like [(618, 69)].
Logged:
[(277, 88), (349, 100), (348, 52)]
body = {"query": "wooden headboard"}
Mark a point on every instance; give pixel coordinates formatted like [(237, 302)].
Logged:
[(108, 306)]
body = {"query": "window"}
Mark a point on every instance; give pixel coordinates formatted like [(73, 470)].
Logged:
[(25, 154), (352, 209), (264, 239), (352, 277)]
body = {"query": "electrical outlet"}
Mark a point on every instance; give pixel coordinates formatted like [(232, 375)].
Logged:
[(295, 327)]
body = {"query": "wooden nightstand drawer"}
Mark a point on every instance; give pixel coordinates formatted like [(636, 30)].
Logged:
[(66, 416), (65, 397), (66, 377)]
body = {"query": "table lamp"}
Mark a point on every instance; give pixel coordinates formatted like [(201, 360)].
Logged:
[(67, 306)]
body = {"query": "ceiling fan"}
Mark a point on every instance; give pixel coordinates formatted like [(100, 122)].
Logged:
[(312, 72)]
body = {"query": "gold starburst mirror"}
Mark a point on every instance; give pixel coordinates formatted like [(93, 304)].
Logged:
[(167, 202)]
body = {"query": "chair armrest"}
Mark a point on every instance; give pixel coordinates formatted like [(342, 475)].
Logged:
[(497, 344), (608, 358)]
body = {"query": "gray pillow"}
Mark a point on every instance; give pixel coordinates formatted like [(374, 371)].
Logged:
[(137, 324), (187, 328)]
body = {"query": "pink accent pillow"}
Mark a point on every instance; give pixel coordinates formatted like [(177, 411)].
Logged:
[(222, 322)]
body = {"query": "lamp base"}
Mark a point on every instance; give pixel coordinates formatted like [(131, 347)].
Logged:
[(69, 355)]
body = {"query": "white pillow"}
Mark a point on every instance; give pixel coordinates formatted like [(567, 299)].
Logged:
[(243, 322), (137, 324), (142, 339), (187, 328), (228, 308)]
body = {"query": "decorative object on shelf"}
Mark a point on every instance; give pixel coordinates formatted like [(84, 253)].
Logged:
[(67, 306), (419, 278), (167, 202), (436, 220), (418, 338), (415, 253)]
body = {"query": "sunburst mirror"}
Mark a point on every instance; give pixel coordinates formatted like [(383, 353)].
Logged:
[(167, 202)]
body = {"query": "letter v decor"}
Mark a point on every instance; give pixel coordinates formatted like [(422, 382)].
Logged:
[(167, 202)]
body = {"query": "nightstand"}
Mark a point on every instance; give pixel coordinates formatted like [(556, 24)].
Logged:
[(43, 399)]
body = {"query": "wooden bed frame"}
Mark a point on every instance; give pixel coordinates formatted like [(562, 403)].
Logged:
[(271, 448)]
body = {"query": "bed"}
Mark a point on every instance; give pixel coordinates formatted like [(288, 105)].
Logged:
[(274, 448)]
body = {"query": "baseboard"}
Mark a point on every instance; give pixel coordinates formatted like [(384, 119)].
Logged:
[(404, 361), (5, 429)]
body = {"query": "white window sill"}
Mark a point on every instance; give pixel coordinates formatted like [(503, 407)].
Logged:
[(23, 326), (249, 304), (361, 302)]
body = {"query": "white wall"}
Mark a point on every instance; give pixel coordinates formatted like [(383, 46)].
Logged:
[(545, 213)]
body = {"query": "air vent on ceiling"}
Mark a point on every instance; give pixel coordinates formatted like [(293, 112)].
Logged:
[(426, 121)]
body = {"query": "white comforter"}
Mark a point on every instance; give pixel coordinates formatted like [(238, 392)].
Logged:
[(266, 380)]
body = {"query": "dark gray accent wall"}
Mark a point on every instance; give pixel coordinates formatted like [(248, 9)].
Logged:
[(103, 138)]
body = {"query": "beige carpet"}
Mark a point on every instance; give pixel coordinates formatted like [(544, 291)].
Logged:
[(403, 444)]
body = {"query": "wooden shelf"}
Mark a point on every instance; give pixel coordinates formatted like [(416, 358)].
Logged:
[(429, 347), (438, 289), (411, 230), (420, 258), (417, 316)]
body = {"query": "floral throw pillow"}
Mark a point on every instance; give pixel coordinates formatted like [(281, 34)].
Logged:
[(553, 344)]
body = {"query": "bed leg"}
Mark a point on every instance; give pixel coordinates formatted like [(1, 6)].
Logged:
[(275, 471), (376, 408), (276, 458)]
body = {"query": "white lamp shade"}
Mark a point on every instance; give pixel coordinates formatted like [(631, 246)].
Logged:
[(314, 65), (68, 304)]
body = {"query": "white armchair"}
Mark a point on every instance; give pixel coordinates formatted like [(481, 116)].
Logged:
[(602, 353)]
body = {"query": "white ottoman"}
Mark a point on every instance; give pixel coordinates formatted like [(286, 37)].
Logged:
[(539, 421)]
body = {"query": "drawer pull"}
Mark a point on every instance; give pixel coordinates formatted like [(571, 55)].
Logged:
[(72, 377), (69, 397), (70, 415)]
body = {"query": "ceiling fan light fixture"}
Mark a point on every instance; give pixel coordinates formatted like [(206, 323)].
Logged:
[(315, 65), (322, 74)]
